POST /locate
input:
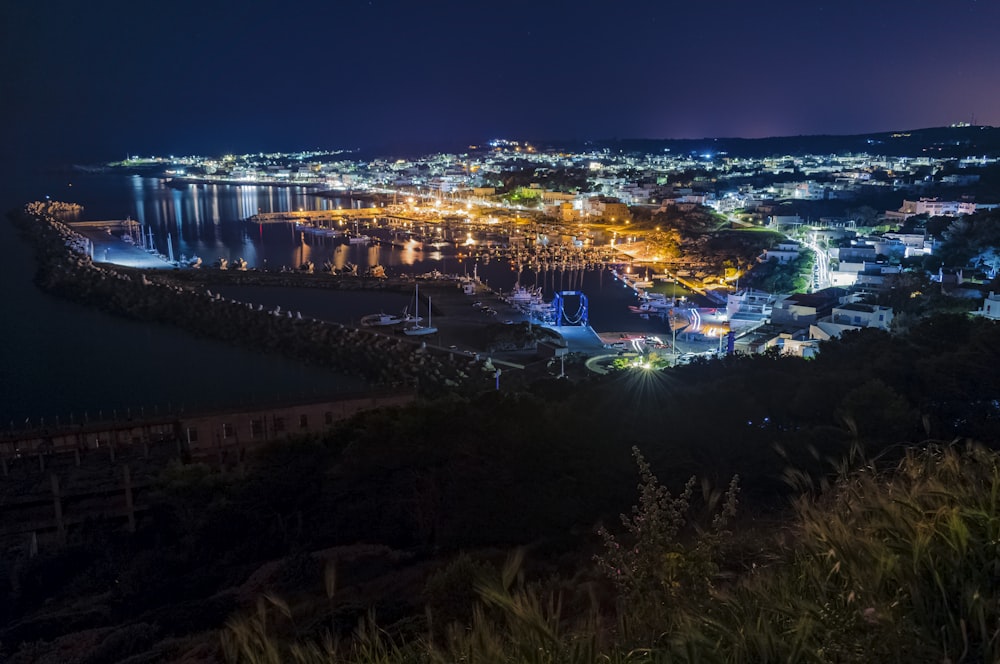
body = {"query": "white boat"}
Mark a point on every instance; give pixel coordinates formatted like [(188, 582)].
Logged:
[(382, 320), (655, 304), (525, 297), (358, 238), (416, 329)]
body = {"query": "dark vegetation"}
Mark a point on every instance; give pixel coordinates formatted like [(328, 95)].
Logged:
[(795, 276), (493, 471)]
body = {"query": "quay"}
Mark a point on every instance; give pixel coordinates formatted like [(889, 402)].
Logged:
[(110, 224), (316, 215)]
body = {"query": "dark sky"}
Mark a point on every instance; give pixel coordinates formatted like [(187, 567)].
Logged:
[(95, 80)]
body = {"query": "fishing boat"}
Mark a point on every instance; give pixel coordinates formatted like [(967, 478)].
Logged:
[(524, 297)]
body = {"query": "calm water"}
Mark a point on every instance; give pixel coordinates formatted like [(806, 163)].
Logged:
[(208, 221), (59, 358)]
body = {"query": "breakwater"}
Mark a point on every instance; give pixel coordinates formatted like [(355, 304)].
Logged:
[(65, 270)]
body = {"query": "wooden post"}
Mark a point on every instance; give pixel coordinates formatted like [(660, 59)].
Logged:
[(76, 456), (57, 505), (129, 505), (111, 451)]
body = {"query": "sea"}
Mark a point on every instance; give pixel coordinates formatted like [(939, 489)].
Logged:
[(60, 360)]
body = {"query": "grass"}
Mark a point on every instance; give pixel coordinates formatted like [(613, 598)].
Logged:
[(897, 564)]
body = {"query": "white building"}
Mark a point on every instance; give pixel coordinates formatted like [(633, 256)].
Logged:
[(852, 316), (991, 307), (783, 252), (932, 207)]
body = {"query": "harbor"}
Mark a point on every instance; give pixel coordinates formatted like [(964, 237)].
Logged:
[(516, 282), (285, 264)]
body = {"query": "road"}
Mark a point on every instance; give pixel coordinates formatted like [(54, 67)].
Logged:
[(821, 268)]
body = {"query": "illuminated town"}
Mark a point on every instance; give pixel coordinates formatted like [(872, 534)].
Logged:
[(500, 333), (544, 207)]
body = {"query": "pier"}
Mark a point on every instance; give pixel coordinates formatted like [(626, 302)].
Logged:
[(316, 215), (111, 224)]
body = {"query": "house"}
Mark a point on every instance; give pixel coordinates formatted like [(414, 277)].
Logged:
[(990, 308), (852, 316), (789, 340), (878, 277), (748, 308), (783, 252), (803, 309), (804, 348)]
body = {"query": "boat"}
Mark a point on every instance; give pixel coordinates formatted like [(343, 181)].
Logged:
[(524, 297), (654, 306), (416, 329), (358, 238), (382, 320)]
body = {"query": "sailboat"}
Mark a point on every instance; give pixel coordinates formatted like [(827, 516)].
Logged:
[(416, 329)]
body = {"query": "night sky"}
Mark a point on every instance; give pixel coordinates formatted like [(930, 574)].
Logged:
[(87, 81)]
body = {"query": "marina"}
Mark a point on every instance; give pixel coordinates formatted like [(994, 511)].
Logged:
[(207, 225)]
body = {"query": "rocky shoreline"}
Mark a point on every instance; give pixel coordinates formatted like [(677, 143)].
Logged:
[(66, 270)]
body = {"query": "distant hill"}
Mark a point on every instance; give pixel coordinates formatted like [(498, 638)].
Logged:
[(935, 141)]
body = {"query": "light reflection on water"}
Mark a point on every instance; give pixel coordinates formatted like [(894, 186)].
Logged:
[(208, 221)]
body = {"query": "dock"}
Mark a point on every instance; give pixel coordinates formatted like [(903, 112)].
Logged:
[(315, 215), (111, 224)]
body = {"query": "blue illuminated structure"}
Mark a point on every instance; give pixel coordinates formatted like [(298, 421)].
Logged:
[(581, 316)]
